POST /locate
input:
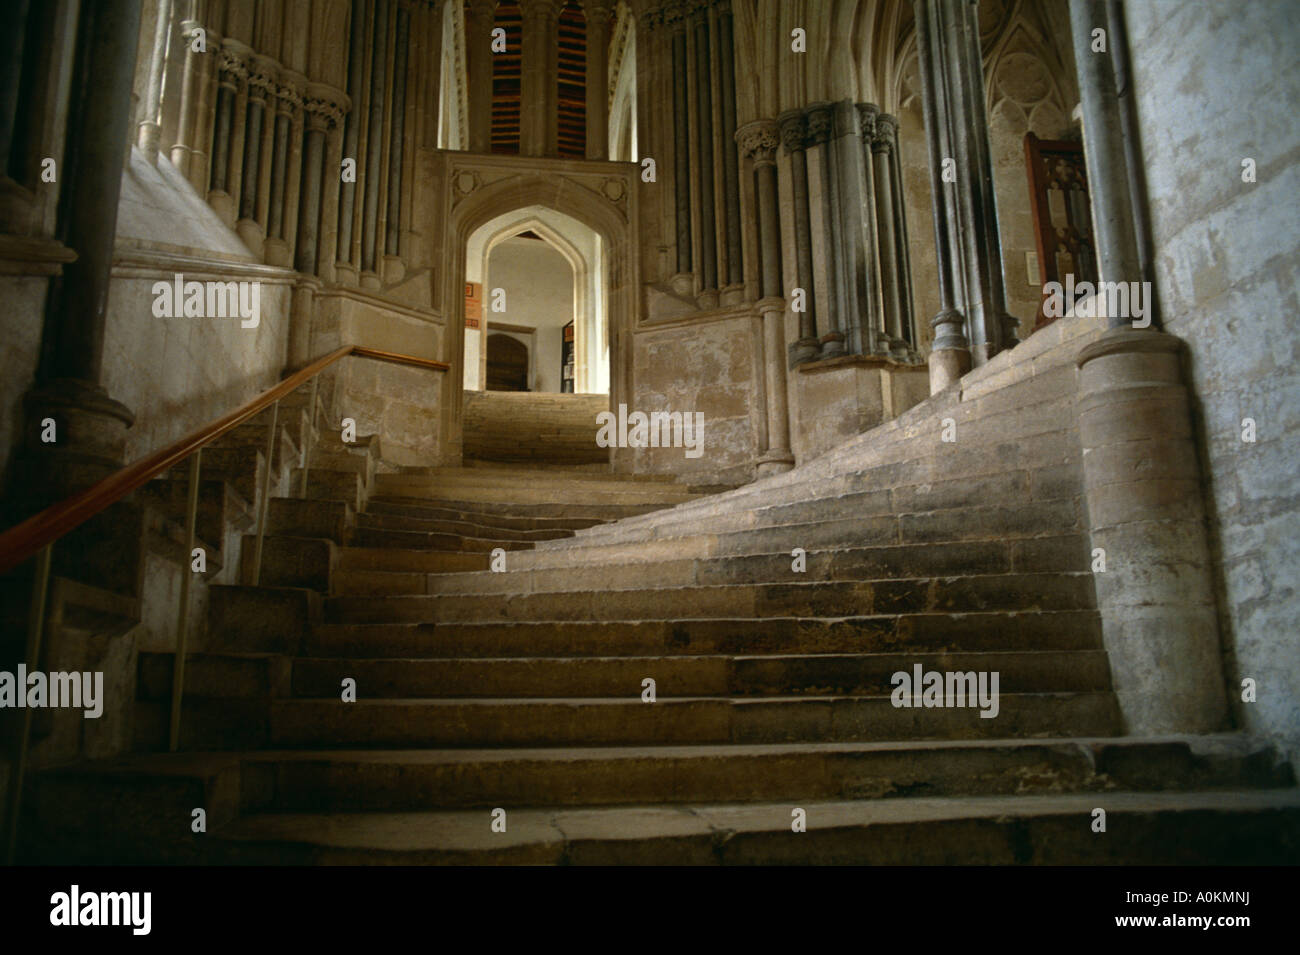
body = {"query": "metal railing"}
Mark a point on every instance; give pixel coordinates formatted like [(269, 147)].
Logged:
[(36, 536)]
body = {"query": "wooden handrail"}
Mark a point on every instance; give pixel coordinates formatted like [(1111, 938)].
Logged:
[(23, 540)]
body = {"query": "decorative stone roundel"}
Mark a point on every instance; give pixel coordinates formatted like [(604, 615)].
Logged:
[(613, 189), (466, 182)]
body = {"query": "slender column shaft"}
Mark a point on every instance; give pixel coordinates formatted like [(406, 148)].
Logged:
[(478, 50), (874, 337), (598, 17), (949, 322), (374, 138), (793, 137), (148, 130), (829, 310), (681, 146), (905, 297), (352, 128), (187, 117), (730, 164), (221, 137), (704, 153), (396, 147), (279, 166), (252, 153), (1103, 143), (881, 144), (309, 198)]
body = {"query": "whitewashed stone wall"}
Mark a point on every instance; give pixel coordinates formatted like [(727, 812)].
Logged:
[(1217, 83)]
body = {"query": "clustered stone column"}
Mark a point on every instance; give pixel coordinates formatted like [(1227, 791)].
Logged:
[(953, 92), (794, 133), (950, 355), (478, 50), (538, 104), (599, 13), (286, 145), (760, 140), (710, 258), (861, 232), (829, 316)]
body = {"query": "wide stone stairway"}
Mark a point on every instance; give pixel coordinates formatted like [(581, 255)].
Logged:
[(504, 715)]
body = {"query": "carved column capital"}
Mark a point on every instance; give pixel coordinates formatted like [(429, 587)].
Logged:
[(233, 60), (794, 129), (759, 140), (867, 113), (262, 74), (289, 91), (885, 133), (819, 123), (325, 106)]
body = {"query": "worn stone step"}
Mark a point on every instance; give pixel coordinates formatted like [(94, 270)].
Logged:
[(993, 522), (406, 780), (678, 676), (1194, 828), (496, 470), (329, 485), (487, 518), (260, 619), (926, 632), (429, 540), (305, 517), (290, 561), (1064, 483), (215, 675), (665, 568), (465, 528), (600, 721), (359, 563), (581, 510), (1061, 591), (221, 508)]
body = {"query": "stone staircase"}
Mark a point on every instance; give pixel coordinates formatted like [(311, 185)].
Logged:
[(522, 689), (533, 428)]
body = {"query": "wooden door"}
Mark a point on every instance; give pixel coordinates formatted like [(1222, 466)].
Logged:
[(507, 363), (1058, 193)]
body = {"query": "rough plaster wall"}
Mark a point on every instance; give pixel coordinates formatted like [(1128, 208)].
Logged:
[(179, 373), (707, 368), (1216, 83)]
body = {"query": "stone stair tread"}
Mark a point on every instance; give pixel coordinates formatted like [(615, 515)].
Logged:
[(555, 835)]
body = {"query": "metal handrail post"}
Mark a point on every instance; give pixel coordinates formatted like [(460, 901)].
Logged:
[(182, 614)]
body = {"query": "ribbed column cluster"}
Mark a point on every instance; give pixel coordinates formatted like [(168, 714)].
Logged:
[(850, 233), (973, 324), (706, 166)]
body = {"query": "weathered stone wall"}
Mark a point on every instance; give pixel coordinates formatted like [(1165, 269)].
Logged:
[(179, 373), (709, 367), (1216, 84)]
